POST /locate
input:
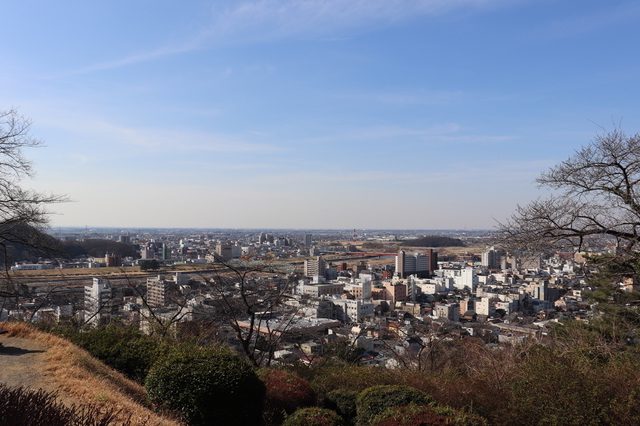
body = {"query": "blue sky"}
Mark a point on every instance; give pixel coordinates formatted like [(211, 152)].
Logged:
[(312, 113)]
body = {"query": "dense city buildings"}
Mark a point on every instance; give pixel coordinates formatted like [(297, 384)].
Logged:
[(328, 285)]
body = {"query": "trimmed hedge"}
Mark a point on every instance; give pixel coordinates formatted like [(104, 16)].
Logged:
[(207, 386), (343, 402), (313, 416), (377, 399)]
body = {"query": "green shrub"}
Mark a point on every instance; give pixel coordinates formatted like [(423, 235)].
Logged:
[(377, 399), (207, 386), (313, 416), (123, 348), (343, 402), (286, 392)]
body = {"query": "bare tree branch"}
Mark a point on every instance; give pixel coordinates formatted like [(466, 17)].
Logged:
[(597, 200)]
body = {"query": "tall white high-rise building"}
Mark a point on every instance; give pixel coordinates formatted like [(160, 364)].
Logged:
[(97, 301), (491, 258)]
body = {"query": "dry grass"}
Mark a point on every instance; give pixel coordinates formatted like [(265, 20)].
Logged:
[(88, 380)]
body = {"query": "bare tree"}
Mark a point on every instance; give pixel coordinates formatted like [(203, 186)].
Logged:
[(23, 212), (251, 298), (597, 198)]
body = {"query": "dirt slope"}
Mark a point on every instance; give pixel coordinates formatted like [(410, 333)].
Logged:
[(38, 360)]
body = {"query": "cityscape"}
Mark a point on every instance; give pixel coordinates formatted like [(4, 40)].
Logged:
[(334, 280), (320, 213)]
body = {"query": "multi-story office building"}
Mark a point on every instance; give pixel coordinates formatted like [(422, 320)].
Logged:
[(224, 252), (419, 264), (395, 292), (166, 252)]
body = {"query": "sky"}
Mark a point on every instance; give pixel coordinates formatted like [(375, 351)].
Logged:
[(387, 114)]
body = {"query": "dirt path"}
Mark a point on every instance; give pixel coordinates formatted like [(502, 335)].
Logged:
[(23, 363)]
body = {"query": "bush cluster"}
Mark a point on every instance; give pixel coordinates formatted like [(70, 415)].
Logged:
[(565, 382), (207, 386), (125, 349), (376, 400), (314, 416), (285, 393)]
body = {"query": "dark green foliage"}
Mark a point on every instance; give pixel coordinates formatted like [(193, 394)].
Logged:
[(22, 242), (207, 386), (421, 415), (286, 392), (20, 406), (98, 248), (433, 241), (377, 399), (343, 402), (149, 265), (123, 348), (313, 416), (379, 247)]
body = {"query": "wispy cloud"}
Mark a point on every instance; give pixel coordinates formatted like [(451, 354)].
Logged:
[(409, 99), (326, 18), (139, 57), (445, 132), (92, 132), (180, 140), (263, 21), (596, 21)]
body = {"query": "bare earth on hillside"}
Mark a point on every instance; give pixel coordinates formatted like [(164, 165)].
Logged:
[(22, 363), (38, 360)]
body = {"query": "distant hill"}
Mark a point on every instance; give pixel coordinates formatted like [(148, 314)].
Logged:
[(98, 247), (433, 241), (21, 242)]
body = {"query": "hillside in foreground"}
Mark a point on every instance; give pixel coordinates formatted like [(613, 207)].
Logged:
[(40, 360)]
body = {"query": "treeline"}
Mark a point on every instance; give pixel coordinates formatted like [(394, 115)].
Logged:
[(97, 248), (434, 241), (24, 243), (380, 247)]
